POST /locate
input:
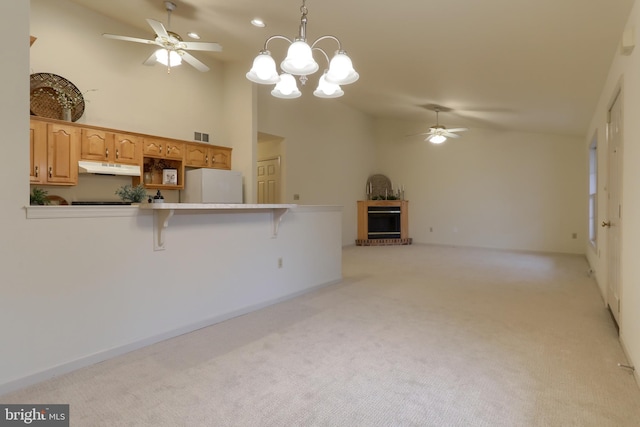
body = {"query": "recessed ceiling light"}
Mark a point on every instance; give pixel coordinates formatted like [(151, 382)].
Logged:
[(257, 22), (193, 35)]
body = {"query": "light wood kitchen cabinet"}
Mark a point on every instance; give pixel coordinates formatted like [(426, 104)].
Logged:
[(128, 148), (159, 154), (152, 147), (55, 149), (104, 146), (63, 143), (96, 145), (220, 158), (38, 152), (163, 148), (197, 156), (174, 150), (206, 156), (56, 146)]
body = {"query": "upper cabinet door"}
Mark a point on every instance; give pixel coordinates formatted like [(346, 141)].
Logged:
[(128, 149), (220, 158), (63, 142), (153, 147), (174, 150), (38, 152), (96, 145), (196, 156)]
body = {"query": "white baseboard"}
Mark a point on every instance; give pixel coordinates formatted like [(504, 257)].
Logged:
[(92, 359), (627, 354)]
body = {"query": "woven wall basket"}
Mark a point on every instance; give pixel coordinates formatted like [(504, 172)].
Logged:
[(46, 92)]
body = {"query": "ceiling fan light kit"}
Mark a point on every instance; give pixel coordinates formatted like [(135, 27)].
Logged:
[(437, 139), (438, 134), (168, 58), (299, 62), (172, 49)]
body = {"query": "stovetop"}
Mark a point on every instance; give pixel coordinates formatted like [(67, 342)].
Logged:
[(100, 203)]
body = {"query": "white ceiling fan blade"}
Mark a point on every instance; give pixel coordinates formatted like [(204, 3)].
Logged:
[(158, 28), (457, 130), (151, 60), (214, 47), (192, 60), (128, 39), (450, 135), (421, 133)]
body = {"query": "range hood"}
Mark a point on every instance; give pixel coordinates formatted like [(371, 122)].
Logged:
[(108, 168)]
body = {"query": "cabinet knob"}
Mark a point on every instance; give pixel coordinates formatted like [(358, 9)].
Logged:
[(106, 152), (50, 172), (37, 171), (117, 154)]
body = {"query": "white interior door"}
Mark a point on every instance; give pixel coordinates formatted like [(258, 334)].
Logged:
[(269, 181), (614, 209)]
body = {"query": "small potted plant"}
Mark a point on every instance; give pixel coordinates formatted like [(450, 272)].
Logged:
[(136, 194), (39, 196)]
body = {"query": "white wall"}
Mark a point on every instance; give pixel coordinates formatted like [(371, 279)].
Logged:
[(241, 125), (489, 188), (624, 73), (329, 148), (79, 290), (76, 290)]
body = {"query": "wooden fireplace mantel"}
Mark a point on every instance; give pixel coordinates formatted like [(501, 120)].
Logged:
[(363, 223)]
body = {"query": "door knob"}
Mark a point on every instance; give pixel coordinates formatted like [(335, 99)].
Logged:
[(606, 224)]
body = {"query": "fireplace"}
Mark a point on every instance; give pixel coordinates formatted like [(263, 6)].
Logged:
[(383, 222)]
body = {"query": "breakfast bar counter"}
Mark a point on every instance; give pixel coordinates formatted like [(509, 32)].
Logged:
[(164, 211)]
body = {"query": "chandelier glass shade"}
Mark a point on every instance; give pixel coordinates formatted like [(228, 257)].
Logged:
[(168, 57), (286, 88), (326, 89), (300, 62)]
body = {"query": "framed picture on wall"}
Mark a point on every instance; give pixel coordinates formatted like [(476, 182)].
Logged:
[(170, 176)]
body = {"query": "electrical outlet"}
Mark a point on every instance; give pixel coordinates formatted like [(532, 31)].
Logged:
[(430, 229), (574, 236), (296, 197), (280, 262)]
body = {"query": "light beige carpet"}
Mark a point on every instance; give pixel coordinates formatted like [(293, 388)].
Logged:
[(414, 336)]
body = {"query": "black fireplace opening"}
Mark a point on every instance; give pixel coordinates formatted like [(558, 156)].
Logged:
[(384, 222)]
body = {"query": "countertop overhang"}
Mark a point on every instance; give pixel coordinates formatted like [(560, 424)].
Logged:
[(162, 213)]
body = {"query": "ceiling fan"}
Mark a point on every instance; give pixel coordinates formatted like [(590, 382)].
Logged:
[(438, 134), (172, 49)]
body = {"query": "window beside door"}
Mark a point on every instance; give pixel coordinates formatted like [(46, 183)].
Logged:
[(593, 191)]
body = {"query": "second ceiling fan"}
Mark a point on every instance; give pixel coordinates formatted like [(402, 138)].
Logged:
[(438, 133), (172, 49)]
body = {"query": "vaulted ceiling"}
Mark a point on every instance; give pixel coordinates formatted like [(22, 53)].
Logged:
[(526, 65)]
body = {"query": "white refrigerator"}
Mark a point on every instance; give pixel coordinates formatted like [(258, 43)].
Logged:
[(212, 186)]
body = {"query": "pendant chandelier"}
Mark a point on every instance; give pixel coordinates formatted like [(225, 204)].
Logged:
[(299, 62)]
